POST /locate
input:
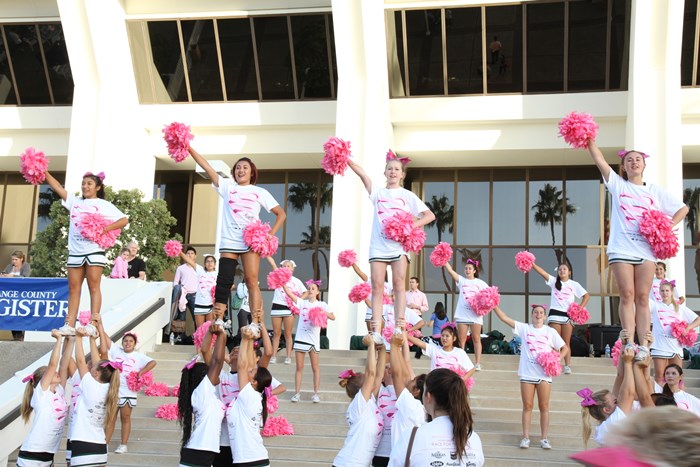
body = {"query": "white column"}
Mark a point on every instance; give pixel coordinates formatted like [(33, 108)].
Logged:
[(106, 133), (363, 119), (654, 106)]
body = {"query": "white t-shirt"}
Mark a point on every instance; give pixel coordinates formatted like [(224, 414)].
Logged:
[(409, 413), (629, 202), (389, 315), (207, 281), (242, 207), (242, 292), (131, 362), (602, 431), (50, 411), (534, 341), (386, 203), (77, 206), (89, 417), (562, 299), (294, 285), (466, 288), (208, 411), (683, 400), (386, 401), (655, 294), (366, 427), (434, 441), (306, 332), (244, 419), (662, 318), (74, 382), (439, 358)]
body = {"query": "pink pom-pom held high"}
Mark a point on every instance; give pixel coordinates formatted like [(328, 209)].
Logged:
[(177, 136), (172, 248), (347, 258), (577, 129), (336, 156), (524, 260), (360, 293), (33, 165), (441, 255)]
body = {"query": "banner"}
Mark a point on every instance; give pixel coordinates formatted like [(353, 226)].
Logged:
[(33, 304)]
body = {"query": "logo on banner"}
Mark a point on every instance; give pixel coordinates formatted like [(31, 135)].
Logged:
[(33, 304)]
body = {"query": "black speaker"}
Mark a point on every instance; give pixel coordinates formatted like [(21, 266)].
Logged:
[(602, 335)]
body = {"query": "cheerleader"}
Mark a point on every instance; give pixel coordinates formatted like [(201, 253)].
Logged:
[(564, 292), (383, 251), (198, 402), (536, 338), (386, 297), (673, 387), (446, 355), (281, 314), (465, 317), (659, 276), (630, 257), (206, 281), (666, 349), (44, 394), (86, 259), (96, 407), (243, 201), (308, 337), (363, 415)]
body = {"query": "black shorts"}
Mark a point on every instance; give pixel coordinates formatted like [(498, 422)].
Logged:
[(196, 457), (224, 458)]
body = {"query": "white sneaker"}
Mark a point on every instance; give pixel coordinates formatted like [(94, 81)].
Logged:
[(122, 449), (273, 359), (544, 444), (315, 399), (477, 367), (642, 353), (296, 397), (67, 330), (90, 330), (524, 443), (567, 370), (377, 337), (219, 322), (287, 361), (398, 331)]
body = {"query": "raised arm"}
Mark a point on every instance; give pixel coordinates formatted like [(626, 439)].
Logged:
[(379, 373), (259, 317), (105, 341), (642, 383), (246, 360), (363, 277), (415, 341), (290, 294), (541, 272), (366, 181), (510, 322), (370, 367), (56, 187), (53, 361), (398, 370), (203, 163), (80, 353), (189, 261), (272, 262), (599, 159), (626, 394), (217, 359), (451, 272), (64, 365)]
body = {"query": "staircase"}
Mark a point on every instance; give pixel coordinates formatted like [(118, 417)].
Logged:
[(320, 429)]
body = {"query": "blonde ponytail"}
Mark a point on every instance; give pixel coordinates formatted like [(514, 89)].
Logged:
[(34, 379), (112, 399), (593, 411)]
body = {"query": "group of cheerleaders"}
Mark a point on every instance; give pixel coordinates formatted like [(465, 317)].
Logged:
[(429, 413)]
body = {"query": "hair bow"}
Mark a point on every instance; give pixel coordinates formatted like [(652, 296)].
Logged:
[(268, 392), (114, 365), (189, 365), (100, 175), (672, 283), (448, 324), (347, 374), (586, 394), (132, 334), (312, 281), (535, 305), (391, 156), (622, 153), (474, 262), (29, 377)]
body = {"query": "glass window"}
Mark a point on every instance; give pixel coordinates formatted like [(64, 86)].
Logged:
[(46, 198), (619, 44), (301, 224), (508, 210), (54, 45), (504, 32), (424, 37), (274, 57), (588, 26), (25, 54), (306, 260), (397, 64), (7, 91), (435, 279), (545, 47), (326, 207), (167, 57), (439, 197), (275, 184), (202, 60), (238, 59), (548, 206), (473, 212), (691, 197), (464, 51), (586, 267), (692, 269), (688, 42), (334, 61), (515, 307), (175, 189), (547, 259), (504, 275), (585, 196), (311, 56)]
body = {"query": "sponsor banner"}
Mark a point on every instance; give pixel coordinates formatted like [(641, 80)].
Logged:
[(33, 304)]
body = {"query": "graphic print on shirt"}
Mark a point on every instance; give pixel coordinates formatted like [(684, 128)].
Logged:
[(536, 344), (631, 209), (59, 406), (228, 391), (667, 318), (76, 215), (565, 295), (242, 206), (206, 283), (387, 207), (468, 290)]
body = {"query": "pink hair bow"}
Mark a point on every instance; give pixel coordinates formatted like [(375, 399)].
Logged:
[(586, 394), (347, 374), (391, 156), (114, 365), (189, 365), (268, 392), (29, 377), (622, 153), (448, 324), (535, 305), (100, 175), (312, 281), (474, 262), (672, 283), (132, 334)]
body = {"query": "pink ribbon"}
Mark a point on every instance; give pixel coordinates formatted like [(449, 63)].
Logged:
[(114, 365), (448, 325), (132, 334), (312, 281), (347, 374), (189, 365), (268, 392), (28, 378), (622, 153), (100, 175), (672, 283), (535, 305), (391, 156), (586, 394), (474, 262)]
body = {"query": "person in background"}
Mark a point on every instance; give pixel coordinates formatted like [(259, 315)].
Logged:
[(136, 266), (415, 299), (187, 277), (17, 268), (120, 270)]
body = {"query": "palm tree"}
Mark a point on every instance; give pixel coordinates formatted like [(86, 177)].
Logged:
[(550, 209), (444, 220), (691, 197), (316, 197), (310, 238)]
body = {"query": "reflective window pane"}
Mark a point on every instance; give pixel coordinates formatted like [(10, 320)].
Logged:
[(301, 223), (692, 271), (7, 91), (585, 196), (505, 276), (547, 259), (620, 43), (202, 60), (46, 198), (56, 55), (326, 208), (277, 192), (274, 57), (25, 54), (548, 208), (464, 51), (545, 47), (237, 58), (424, 37), (588, 25), (165, 46), (334, 61), (586, 267), (473, 213), (504, 32), (688, 42), (397, 64), (691, 197), (439, 196), (509, 213), (435, 279), (311, 56), (514, 306)]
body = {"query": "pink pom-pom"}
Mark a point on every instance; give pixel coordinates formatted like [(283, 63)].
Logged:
[(679, 330), (135, 382), (291, 305), (656, 227), (524, 261), (399, 228), (272, 404), (84, 317), (549, 361), (172, 248), (175, 392), (577, 129), (578, 314), (414, 241), (277, 426), (257, 236), (157, 390), (616, 351), (92, 227), (387, 300), (318, 317), (279, 277), (347, 258), (177, 136), (485, 300), (360, 293), (470, 382), (198, 336), (33, 166), (167, 411), (441, 255), (388, 332), (336, 156), (413, 332)]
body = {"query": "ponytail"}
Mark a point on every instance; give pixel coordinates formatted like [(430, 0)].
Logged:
[(189, 380), (352, 384), (31, 382), (594, 411), (557, 284), (112, 399), (263, 380)]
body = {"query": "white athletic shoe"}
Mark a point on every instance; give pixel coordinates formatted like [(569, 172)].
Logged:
[(315, 399), (90, 330), (524, 443), (67, 330), (567, 370), (642, 353), (273, 359), (544, 444), (287, 361), (122, 449), (296, 397), (377, 337), (477, 367)]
